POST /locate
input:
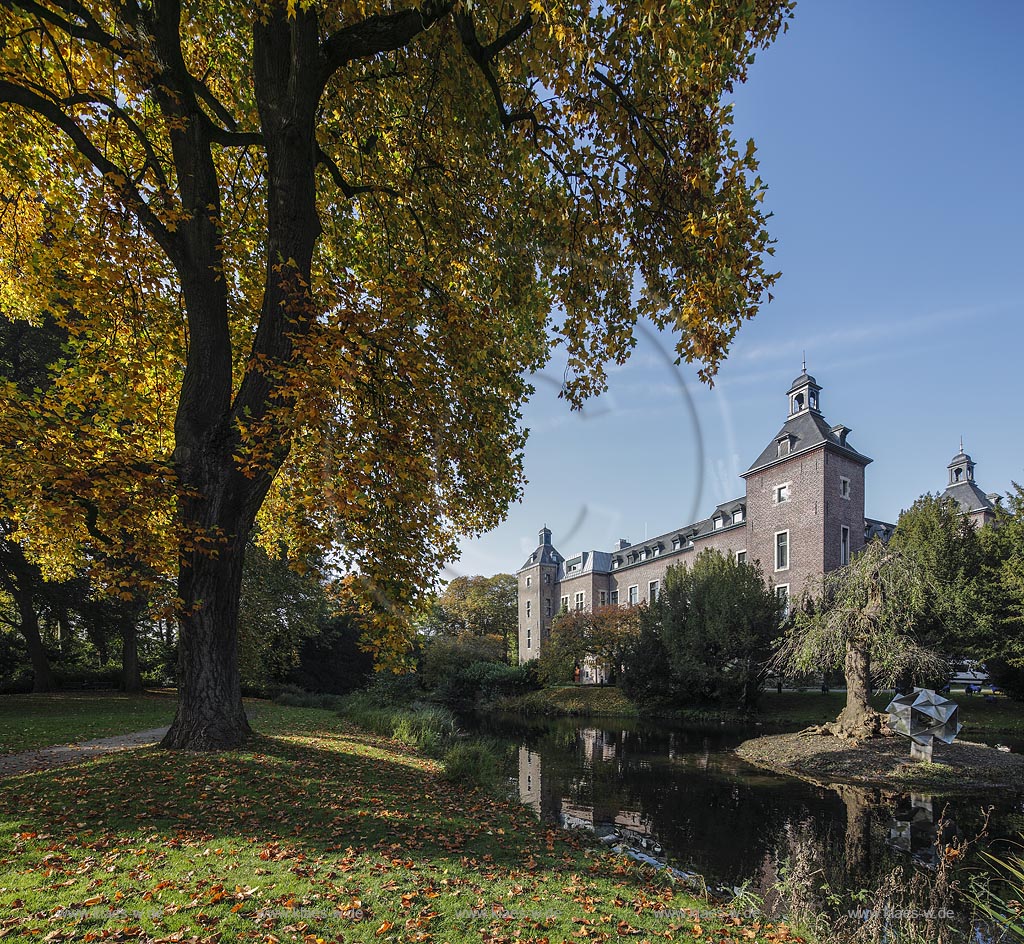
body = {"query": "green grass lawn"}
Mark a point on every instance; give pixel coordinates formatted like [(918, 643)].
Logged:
[(316, 832), (28, 722), (1003, 716)]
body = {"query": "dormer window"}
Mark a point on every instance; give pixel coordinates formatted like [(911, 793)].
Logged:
[(718, 522), (677, 543), (737, 517), (617, 563), (656, 550)]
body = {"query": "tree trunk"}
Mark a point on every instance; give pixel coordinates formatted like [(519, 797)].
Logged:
[(210, 712), (42, 676), (131, 676), (858, 719), (859, 803)]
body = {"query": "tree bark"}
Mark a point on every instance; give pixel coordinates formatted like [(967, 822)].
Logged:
[(210, 712), (858, 719), (42, 676), (131, 675)]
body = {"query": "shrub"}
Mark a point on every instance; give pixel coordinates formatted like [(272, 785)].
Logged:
[(487, 681), (428, 727), (472, 763), (444, 656)]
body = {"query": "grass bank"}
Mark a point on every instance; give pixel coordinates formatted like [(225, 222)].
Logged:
[(28, 722), (318, 831), (570, 700)]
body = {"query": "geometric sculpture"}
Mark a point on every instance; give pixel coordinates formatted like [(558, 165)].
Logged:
[(923, 715)]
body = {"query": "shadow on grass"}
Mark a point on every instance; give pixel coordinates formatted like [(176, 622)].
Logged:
[(346, 790)]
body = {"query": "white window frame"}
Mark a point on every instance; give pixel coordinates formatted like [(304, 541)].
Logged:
[(579, 601), (738, 516), (614, 597), (789, 550), (653, 589), (741, 556), (784, 587), (655, 552), (777, 492), (844, 545), (719, 522), (563, 603), (844, 487), (602, 596), (633, 594)]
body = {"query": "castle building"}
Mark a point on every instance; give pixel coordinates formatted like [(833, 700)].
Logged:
[(801, 515)]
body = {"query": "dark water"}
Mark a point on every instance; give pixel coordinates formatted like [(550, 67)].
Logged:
[(680, 794)]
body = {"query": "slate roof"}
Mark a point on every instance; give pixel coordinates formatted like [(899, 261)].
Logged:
[(545, 554), (590, 562), (969, 497), (808, 430)]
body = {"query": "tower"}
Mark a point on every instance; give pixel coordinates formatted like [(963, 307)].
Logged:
[(961, 487), (805, 495), (538, 596)]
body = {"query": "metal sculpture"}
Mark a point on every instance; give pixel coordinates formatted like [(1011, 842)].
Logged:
[(923, 715)]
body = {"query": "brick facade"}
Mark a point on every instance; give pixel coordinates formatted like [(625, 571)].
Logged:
[(807, 486)]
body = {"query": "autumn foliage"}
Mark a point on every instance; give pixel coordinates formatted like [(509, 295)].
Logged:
[(307, 254)]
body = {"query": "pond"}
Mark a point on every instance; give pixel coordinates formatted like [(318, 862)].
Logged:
[(680, 795)]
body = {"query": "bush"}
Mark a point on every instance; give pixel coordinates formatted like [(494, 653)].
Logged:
[(487, 681), (444, 656), (472, 763), (427, 727)]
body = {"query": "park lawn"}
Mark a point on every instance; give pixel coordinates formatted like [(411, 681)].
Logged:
[(979, 717), (28, 722), (316, 832)]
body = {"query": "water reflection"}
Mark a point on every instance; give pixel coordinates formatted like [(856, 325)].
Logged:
[(680, 795)]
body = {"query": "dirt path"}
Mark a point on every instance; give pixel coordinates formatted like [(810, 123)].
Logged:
[(45, 758)]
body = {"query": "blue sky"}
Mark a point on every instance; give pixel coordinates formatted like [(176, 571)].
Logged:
[(891, 136)]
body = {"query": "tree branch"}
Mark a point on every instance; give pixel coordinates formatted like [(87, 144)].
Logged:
[(350, 190), (49, 110), (377, 34)]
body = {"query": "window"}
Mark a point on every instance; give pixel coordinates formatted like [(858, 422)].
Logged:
[(781, 493), (529, 638), (527, 609), (579, 600), (602, 596), (652, 590), (782, 594), (634, 595), (529, 580), (614, 597), (844, 546), (642, 555), (677, 543), (718, 522), (782, 550), (565, 603), (617, 563), (547, 578), (741, 557), (844, 488), (738, 516), (547, 606), (656, 551)]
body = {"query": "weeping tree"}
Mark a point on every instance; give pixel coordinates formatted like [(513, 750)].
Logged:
[(861, 618)]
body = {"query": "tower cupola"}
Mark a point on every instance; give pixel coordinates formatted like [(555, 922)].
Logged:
[(545, 536), (804, 394), (961, 469)]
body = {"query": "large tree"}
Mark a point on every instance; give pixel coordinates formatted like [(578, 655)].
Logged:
[(944, 544), (715, 620), (861, 618), (344, 228), (480, 606)]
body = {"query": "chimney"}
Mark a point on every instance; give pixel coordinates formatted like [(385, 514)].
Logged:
[(623, 544)]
